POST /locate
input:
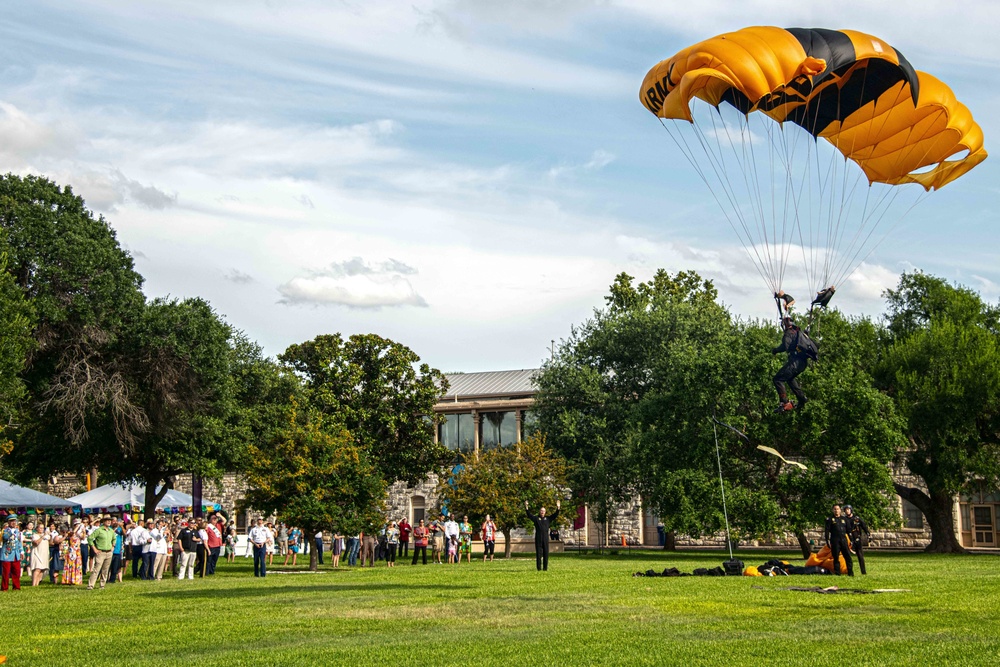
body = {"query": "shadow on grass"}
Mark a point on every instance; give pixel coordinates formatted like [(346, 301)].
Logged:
[(252, 591)]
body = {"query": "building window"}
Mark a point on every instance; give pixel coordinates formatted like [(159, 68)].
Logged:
[(457, 432), (529, 423), (417, 507), (497, 429), (912, 517)]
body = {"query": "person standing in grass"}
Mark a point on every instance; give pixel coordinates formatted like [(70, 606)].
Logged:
[(102, 546), (11, 553), (420, 542), (294, 534), (40, 554), (835, 532), (337, 547), (391, 544), (214, 531), (437, 535), (72, 561), (259, 537), (318, 541), (859, 535), (231, 544), (188, 550), (542, 525), (404, 538), (158, 547), (489, 532), (82, 529), (367, 549), (57, 534), (28, 541), (465, 539), (283, 540)]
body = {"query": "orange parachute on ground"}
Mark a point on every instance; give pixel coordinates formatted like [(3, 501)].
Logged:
[(855, 91), (825, 559)]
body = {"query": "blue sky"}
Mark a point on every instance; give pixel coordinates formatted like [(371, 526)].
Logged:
[(465, 177)]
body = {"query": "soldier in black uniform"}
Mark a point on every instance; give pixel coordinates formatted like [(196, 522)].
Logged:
[(542, 525), (838, 527), (859, 535), (797, 362)]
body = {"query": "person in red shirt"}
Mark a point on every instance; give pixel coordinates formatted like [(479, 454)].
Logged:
[(420, 542), (214, 543), (404, 538)]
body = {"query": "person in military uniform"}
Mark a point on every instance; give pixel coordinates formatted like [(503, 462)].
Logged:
[(837, 528), (543, 524), (859, 535)]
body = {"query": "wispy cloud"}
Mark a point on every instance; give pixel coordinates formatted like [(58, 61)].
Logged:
[(355, 283), (599, 160), (238, 277)]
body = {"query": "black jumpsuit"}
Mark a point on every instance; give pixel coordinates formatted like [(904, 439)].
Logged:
[(797, 362), (542, 525), (859, 536), (836, 531)]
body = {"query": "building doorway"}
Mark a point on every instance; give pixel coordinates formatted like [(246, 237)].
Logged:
[(417, 509), (983, 530)]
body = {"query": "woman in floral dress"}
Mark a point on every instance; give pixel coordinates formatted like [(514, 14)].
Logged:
[(72, 562)]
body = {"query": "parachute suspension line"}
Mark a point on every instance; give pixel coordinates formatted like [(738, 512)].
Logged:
[(740, 156), (722, 488), (882, 207), (688, 153), (723, 174)]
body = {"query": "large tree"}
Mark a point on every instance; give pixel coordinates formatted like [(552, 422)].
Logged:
[(15, 343), (942, 367), (84, 293), (499, 481), (373, 387), (315, 476), (631, 394)]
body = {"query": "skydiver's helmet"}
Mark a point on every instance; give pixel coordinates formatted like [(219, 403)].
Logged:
[(787, 322)]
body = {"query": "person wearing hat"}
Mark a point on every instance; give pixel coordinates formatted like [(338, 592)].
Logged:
[(102, 544), (11, 554)]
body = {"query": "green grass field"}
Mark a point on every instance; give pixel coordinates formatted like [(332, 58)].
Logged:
[(586, 610)]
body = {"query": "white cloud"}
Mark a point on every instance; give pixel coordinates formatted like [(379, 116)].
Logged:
[(355, 283), (238, 277)]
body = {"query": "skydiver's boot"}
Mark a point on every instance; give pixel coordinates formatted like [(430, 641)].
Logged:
[(785, 406), (802, 402)]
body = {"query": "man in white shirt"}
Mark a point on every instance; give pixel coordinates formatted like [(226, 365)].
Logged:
[(451, 529), (259, 536), (148, 555), (136, 542)]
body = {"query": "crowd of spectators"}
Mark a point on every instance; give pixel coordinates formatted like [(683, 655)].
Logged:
[(98, 550)]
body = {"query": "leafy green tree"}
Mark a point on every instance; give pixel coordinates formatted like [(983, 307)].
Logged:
[(500, 480), (175, 369), (317, 477), (83, 291), (15, 344), (942, 367), (372, 387)]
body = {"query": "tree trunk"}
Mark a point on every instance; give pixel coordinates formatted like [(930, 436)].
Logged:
[(152, 497), (937, 509), (506, 543), (670, 540), (804, 545)]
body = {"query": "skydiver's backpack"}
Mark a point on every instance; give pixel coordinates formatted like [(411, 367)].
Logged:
[(806, 345), (733, 568)]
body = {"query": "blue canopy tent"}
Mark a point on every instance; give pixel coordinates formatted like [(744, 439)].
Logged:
[(16, 499)]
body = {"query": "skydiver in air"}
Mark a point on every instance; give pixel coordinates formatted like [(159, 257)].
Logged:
[(788, 300), (800, 349), (823, 297)]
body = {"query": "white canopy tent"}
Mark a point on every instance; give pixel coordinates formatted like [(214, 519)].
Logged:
[(119, 497), (16, 499)]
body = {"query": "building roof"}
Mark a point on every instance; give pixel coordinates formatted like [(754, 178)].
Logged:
[(490, 384)]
